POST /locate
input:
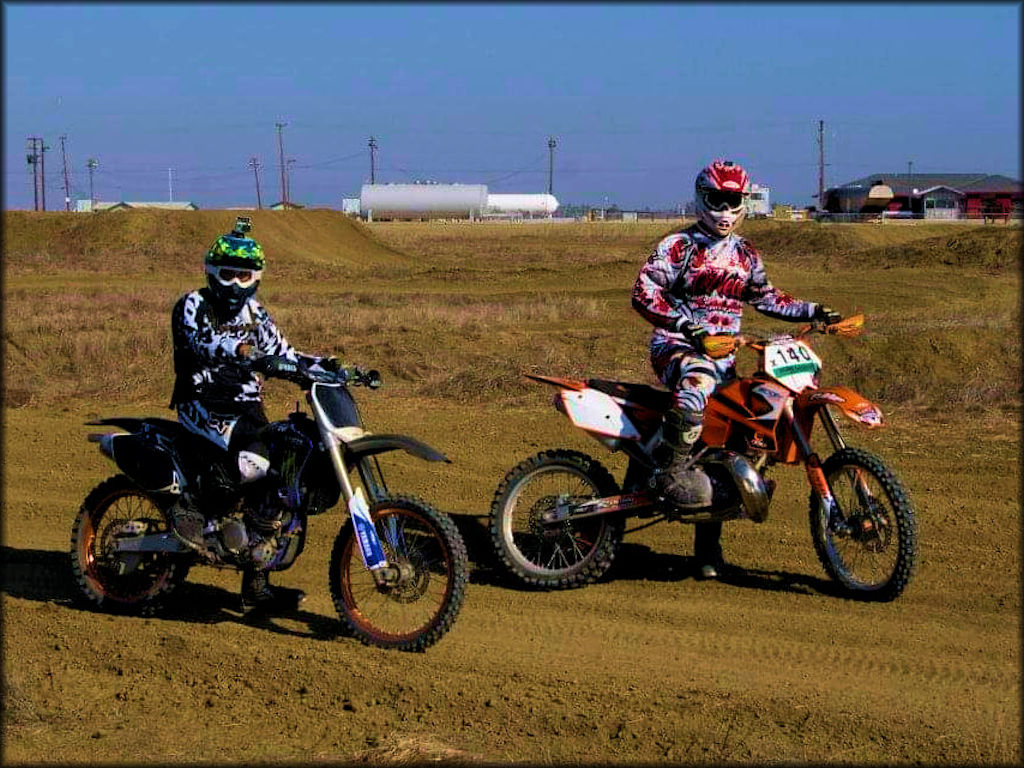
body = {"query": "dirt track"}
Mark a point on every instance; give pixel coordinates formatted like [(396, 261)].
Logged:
[(649, 666)]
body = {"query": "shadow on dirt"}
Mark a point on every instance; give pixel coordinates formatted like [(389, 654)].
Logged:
[(639, 562), (46, 576), (636, 562)]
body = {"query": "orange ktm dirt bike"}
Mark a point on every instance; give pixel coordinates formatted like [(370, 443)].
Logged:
[(558, 518), (398, 569)]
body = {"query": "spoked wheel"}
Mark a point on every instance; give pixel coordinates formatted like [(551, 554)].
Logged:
[(134, 582), (868, 543), (423, 586), (568, 553)]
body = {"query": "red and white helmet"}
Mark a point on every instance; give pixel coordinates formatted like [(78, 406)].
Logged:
[(722, 189)]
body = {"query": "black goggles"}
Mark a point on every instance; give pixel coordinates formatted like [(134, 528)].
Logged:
[(721, 200)]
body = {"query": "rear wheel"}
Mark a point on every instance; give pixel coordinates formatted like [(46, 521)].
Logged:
[(135, 582), (568, 553), (426, 577), (868, 544)]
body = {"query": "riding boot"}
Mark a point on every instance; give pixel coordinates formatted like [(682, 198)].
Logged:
[(684, 487), (187, 522), (707, 549), (258, 595)]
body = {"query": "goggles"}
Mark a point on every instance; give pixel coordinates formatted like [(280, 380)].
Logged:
[(243, 278), (722, 200)]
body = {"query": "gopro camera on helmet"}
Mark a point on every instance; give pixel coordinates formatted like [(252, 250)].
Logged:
[(243, 225)]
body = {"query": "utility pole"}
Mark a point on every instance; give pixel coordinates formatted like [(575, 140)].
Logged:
[(910, 186), (91, 165), (821, 165), (288, 180), (551, 163), (373, 159), (255, 165), (170, 187), (280, 159), (42, 170), (33, 160), (64, 160)]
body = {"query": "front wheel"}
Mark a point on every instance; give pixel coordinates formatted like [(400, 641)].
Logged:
[(569, 553), (868, 543), (132, 582), (428, 570)]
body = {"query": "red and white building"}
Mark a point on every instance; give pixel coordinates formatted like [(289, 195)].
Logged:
[(928, 196)]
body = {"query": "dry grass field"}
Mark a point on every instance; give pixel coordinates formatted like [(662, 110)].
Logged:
[(648, 666)]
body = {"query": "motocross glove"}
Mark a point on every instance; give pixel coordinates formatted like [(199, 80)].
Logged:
[(826, 315), (695, 334), (330, 364), (270, 365)]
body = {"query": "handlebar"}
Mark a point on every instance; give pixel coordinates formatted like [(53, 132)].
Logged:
[(303, 373), (724, 344)]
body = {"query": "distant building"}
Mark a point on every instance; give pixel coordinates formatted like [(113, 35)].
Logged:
[(758, 203), (927, 196), (283, 205), (85, 206)]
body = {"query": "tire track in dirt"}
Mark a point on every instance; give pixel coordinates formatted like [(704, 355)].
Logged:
[(688, 637)]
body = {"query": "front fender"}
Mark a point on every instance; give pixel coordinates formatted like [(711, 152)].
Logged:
[(372, 444), (853, 405)]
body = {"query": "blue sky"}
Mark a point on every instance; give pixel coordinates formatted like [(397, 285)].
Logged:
[(638, 97)]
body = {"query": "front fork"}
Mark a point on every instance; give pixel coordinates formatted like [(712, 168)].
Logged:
[(812, 464), (366, 533), (816, 476)]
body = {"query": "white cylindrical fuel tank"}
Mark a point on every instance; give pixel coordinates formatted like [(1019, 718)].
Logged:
[(422, 201), (531, 204)]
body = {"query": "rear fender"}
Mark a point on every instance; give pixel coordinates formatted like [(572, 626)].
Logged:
[(598, 413), (855, 406)]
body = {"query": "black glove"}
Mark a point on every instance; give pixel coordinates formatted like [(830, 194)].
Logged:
[(826, 315), (329, 364), (269, 365), (695, 334)]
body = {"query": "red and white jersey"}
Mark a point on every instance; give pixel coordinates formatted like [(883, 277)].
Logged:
[(692, 277)]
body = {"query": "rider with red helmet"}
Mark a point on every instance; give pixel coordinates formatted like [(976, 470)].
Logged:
[(693, 285)]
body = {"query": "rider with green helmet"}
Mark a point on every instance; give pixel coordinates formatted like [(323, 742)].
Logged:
[(219, 332)]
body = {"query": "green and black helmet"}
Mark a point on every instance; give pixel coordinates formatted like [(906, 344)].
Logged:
[(234, 266)]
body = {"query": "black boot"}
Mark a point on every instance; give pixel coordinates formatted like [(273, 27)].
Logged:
[(707, 549), (187, 523), (684, 487), (259, 596)]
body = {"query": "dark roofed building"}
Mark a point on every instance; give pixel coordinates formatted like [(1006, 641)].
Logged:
[(928, 195)]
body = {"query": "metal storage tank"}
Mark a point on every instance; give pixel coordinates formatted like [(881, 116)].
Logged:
[(422, 201), (531, 204)]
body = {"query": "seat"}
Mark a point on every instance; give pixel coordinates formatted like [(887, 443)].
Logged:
[(655, 398)]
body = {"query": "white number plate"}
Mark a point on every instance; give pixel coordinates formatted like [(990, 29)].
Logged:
[(791, 363)]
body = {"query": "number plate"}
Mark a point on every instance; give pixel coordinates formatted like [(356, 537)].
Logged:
[(791, 363)]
